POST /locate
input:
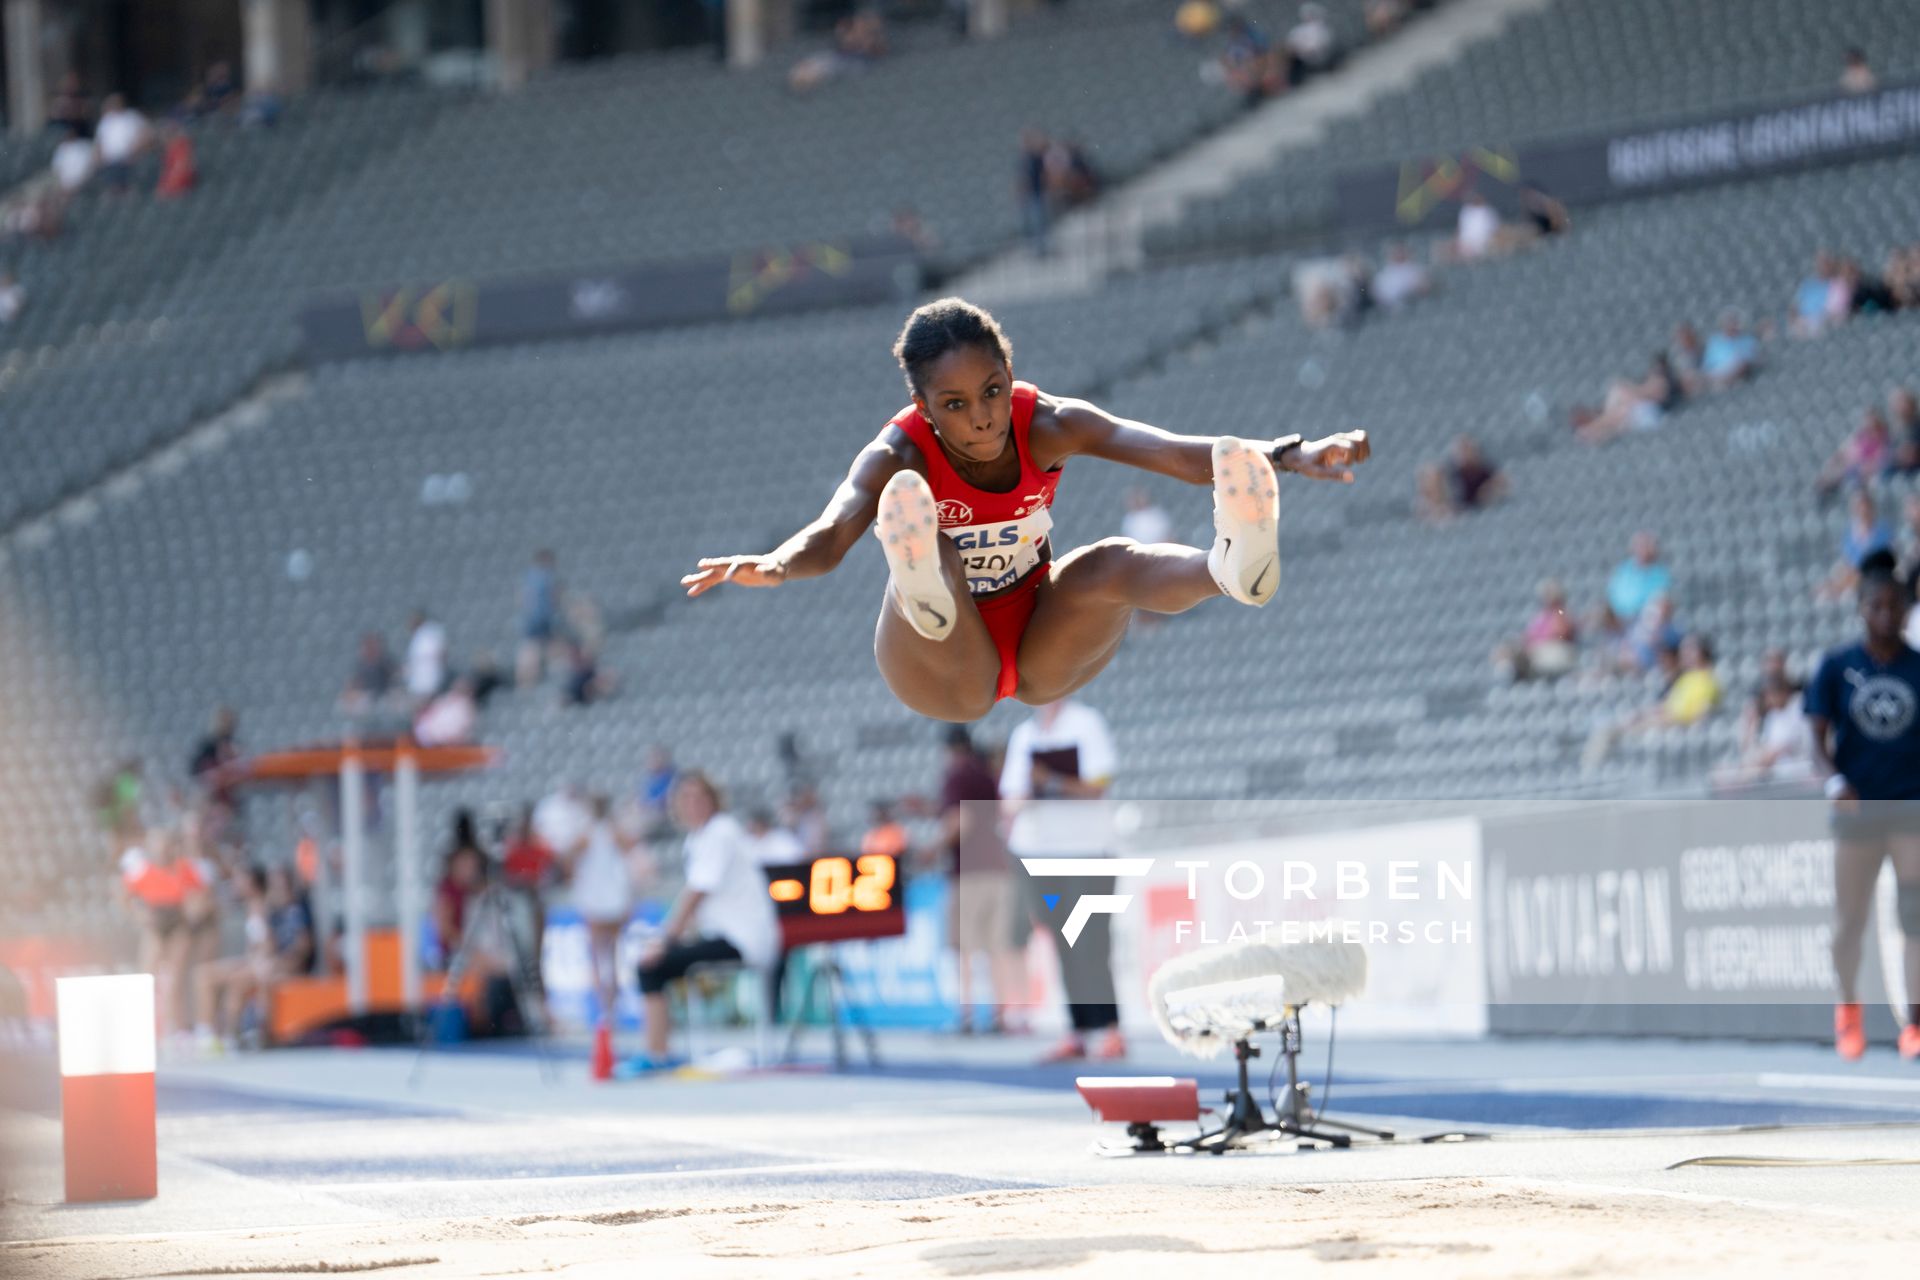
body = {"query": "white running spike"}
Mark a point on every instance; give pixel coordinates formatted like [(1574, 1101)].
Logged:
[(1245, 559), (908, 527)]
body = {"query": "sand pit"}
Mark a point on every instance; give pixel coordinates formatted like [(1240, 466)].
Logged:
[(1479, 1228)]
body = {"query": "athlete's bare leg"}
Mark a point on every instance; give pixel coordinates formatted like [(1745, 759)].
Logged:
[(1092, 593), (1904, 849), (1856, 868), (1089, 598), (951, 679)]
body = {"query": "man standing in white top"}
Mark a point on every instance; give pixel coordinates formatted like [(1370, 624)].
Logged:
[(1059, 765), (723, 913), (121, 136)]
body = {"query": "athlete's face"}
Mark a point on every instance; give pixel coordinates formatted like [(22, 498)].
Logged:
[(968, 397), (1883, 608)]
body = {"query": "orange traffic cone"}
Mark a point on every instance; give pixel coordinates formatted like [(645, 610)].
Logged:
[(602, 1067)]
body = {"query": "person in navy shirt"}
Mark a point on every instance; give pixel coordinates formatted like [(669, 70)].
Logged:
[(1864, 706)]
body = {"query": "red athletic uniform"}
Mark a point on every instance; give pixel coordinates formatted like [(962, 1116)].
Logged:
[(1002, 537)]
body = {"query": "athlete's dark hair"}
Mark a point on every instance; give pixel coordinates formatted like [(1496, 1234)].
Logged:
[(1879, 568), (943, 326)]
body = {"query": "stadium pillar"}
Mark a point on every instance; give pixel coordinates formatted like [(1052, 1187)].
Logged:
[(26, 74), (521, 37), (986, 18), (753, 27), (277, 39)]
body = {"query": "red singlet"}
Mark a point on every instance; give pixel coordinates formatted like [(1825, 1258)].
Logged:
[(1002, 537)]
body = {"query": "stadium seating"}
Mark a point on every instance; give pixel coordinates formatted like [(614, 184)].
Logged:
[(1574, 68), (1366, 684)]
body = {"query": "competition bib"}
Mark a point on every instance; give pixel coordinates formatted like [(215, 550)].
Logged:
[(998, 555)]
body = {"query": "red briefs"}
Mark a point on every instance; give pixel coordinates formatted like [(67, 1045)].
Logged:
[(1006, 617)]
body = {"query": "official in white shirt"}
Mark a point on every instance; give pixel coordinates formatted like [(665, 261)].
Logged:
[(723, 913), (1054, 783)]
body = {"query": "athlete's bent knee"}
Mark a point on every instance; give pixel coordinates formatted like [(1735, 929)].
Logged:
[(1095, 568)]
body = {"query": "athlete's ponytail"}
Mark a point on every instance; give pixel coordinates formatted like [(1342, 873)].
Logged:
[(943, 326)]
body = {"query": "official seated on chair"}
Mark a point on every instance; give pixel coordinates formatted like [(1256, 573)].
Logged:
[(722, 914)]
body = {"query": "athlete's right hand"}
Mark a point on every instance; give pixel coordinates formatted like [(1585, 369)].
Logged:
[(742, 571)]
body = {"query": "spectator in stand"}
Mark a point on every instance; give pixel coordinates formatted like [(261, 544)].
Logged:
[(74, 161), (1550, 645), (1685, 357), (1432, 497), (1546, 215), (1384, 17), (1476, 481), (859, 40), (656, 784), (167, 891), (1071, 178), (1903, 426), (487, 680), (279, 945), (463, 880), (449, 719), (1856, 76), (1635, 581), (884, 834), (1908, 553), (1035, 210), (585, 682), (373, 682), (1477, 234), (1400, 279), (1903, 277), (1732, 353), (219, 748), (1862, 457), (1631, 406), (122, 136), (907, 223), (1907, 566), (13, 298), (531, 869), (1653, 636), (539, 617), (1310, 43), (602, 881), (980, 883), (426, 656), (71, 108), (1249, 63), (1866, 534), (1776, 745), (723, 913), (1862, 294), (179, 171), (218, 92), (1811, 306), (1688, 700)]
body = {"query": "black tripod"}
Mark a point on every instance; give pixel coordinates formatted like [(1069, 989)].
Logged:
[(1295, 1117), (491, 912), (828, 973)]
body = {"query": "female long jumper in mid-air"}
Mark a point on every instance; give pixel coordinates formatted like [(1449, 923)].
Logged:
[(985, 612)]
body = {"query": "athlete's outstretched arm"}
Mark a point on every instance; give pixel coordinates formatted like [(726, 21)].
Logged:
[(822, 544), (1091, 431)]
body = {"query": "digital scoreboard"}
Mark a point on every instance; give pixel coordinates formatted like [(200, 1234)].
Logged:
[(834, 898)]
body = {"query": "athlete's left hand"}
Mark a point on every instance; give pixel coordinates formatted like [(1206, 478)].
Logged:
[(1330, 458)]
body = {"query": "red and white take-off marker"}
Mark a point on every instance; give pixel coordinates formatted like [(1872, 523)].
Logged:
[(106, 1087)]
